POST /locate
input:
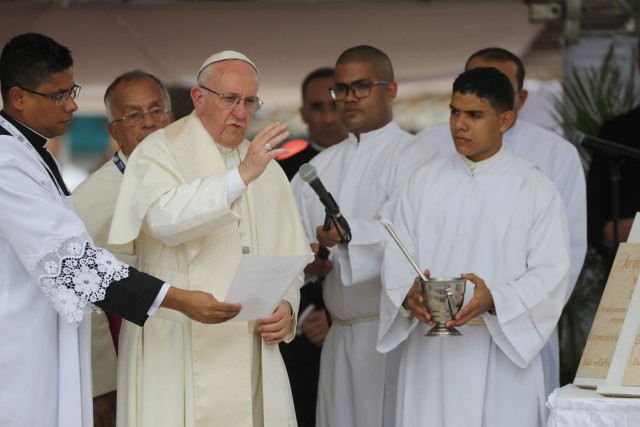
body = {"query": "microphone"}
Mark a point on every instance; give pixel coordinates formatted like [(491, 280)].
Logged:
[(309, 174), (610, 147)]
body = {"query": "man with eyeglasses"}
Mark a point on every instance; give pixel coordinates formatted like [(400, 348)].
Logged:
[(52, 273), (362, 173), (556, 157), (196, 197), (137, 104)]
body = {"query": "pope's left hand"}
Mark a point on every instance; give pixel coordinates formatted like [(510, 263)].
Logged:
[(274, 328), (481, 302)]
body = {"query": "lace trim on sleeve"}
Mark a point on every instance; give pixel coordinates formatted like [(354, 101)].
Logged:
[(72, 272)]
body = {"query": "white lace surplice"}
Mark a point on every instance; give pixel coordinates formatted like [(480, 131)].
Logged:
[(50, 271), (72, 272)]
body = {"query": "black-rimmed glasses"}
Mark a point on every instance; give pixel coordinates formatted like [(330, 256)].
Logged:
[(134, 118), (360, 89), (251, 103), (60, 98)]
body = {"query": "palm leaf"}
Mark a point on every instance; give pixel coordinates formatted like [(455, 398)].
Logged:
[(594, 95)]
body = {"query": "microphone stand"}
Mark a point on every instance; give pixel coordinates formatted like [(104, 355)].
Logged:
[(614, 180)]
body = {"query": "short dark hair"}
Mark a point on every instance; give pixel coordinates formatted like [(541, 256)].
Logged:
[(365, 53), (499, 54), (319, 73), (486, 83), (28, 60), (130, 76)]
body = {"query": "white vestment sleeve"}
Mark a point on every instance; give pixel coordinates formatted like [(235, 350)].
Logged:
[(190, 211), (293, 298), (366, 249), (570, 180), (174, 211), (235, 185), (364, 253), (157, 302), (529, 307), (52, 242), (397, 277)]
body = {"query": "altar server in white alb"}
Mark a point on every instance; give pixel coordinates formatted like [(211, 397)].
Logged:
[(51, 271), (197, 196), (362, 173), (137, 104), (500, 222), (558, 160)]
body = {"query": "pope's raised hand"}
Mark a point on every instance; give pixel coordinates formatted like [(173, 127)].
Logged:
[(262, 150)]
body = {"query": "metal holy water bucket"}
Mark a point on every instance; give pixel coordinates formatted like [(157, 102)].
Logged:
[(443, 298)]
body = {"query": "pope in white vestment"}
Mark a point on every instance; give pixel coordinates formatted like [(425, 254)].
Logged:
[(559, 161), (173, 203), (361, 176), (504, 221)]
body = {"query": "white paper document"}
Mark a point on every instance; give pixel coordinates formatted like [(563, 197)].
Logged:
[(260, 283)]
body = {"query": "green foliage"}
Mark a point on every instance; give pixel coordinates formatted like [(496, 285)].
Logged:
[(593, 95), (590, 97)]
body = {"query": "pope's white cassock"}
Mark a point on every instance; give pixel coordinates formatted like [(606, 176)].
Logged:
[(50, 274), (361, 176), (559, 161), (95, 200), (174, 203), (504, 221)]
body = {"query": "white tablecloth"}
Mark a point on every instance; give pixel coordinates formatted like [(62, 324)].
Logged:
[(571, 406)]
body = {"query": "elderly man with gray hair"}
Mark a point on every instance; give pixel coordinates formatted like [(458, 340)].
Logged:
[(137, 104), (196, 197)]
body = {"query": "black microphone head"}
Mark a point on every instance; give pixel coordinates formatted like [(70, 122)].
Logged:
[(307, 172), (576, 137)]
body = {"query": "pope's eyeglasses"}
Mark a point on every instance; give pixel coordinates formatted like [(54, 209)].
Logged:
[(251, 103)]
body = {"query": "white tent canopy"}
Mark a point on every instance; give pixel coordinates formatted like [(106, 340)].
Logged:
[(428, 42)]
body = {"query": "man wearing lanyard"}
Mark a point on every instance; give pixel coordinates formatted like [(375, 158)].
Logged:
[(137, 104), (52, 273)]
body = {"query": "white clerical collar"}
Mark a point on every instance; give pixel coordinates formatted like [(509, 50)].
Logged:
[(374, 134), (474, 165), (317, 146)]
